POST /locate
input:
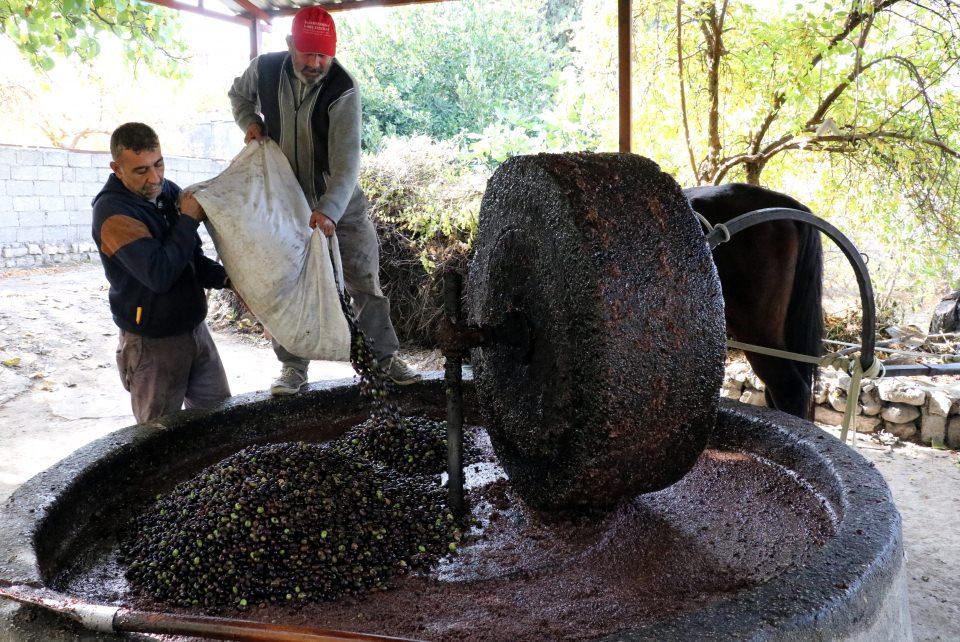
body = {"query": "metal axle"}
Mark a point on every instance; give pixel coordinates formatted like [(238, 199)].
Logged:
[(454, 352)]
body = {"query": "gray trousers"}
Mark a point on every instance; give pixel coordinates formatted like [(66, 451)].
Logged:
[(360, 254), (164, 374)]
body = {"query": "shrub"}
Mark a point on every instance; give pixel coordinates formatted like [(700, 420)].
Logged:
[(424, 199)]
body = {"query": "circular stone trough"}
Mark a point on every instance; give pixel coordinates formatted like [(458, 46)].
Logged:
[(779, 532)]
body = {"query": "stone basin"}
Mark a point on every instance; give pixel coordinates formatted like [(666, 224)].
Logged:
[(779, 533)]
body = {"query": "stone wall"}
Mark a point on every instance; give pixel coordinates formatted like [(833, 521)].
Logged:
[(45, 194), (912, 408)]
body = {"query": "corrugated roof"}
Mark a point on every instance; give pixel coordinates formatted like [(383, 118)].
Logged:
[(288, 7)]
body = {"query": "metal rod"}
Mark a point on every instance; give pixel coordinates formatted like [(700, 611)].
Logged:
[(883, 346), (854, 347), (921, 369), (452, 288), (256, 38), (722, 233), (624, 27), (229, 629), (945, 335), (113, 619)]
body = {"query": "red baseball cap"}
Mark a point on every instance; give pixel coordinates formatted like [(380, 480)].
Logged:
[(314, 32)]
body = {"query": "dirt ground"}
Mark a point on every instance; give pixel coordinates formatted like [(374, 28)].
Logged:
[(59, 390)]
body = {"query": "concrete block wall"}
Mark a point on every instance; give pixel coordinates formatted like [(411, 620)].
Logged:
[(45, 194)]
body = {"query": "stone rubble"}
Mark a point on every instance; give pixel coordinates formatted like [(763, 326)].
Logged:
[(912, 408)]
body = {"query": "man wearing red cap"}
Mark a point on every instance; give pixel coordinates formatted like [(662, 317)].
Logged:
[(310, 105)]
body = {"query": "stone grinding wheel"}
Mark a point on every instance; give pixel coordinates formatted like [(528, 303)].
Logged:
[(596, 269)]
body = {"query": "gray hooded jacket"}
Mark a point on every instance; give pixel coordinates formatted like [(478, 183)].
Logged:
[(323, 148)]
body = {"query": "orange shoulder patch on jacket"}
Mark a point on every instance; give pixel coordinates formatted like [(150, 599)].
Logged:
[(119, 230)]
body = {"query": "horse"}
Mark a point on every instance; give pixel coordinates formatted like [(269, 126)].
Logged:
[(772, 280)]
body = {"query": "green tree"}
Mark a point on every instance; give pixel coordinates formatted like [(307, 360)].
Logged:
[(44, 30), (852, 107), (863, 77), (870, 79), (862, 94), (445, 70)]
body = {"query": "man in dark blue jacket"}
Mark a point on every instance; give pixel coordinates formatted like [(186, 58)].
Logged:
[(146, 231)]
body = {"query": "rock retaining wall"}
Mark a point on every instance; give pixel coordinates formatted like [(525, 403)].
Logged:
[(912, 408)]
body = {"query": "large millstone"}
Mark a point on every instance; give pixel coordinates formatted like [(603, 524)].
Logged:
[(596, 271)]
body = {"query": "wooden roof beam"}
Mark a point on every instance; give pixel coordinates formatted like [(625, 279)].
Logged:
[(200, 10), (255, 11), (346, 5)]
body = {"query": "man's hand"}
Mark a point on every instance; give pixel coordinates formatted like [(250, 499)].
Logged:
[(190, 207), (229, 284), (254, 132), (321, 220)]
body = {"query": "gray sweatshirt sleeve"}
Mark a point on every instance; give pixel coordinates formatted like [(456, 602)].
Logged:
[(243, 96), (343, 149)]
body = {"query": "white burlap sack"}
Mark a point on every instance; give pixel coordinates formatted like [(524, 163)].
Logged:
[(286, 273)]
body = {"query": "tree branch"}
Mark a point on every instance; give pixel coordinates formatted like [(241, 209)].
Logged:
[(854, 20), (920, 93), (922, 84), (162, 49), (714, 53), (930, 9), (823, 142), (916, 23), (858, 68), (111, 25), (837, 91), (723, 16), (856, 137), (729, 163), (83, 134)]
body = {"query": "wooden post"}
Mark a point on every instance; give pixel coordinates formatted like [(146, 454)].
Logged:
[(624, 26), (256, 37)]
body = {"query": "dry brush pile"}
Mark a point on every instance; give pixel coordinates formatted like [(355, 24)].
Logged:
[(424, 203)]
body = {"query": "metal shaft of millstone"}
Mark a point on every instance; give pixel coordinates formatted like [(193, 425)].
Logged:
[(452, 288)]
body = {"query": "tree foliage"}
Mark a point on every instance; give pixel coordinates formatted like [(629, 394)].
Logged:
[(871, 79), (44, 30), (455, 68), (850, 105)]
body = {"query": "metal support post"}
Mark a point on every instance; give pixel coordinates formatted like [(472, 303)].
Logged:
[(452, 288)]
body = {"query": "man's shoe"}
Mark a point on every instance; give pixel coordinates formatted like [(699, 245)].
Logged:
[(289, 382), (399, 371)]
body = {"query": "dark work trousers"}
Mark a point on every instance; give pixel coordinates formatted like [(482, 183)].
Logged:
[(164, 374), (360, 255)]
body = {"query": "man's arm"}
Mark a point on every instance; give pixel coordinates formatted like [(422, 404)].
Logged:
[(343, 152), (155, 264), (244, 101), (210, 274)]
